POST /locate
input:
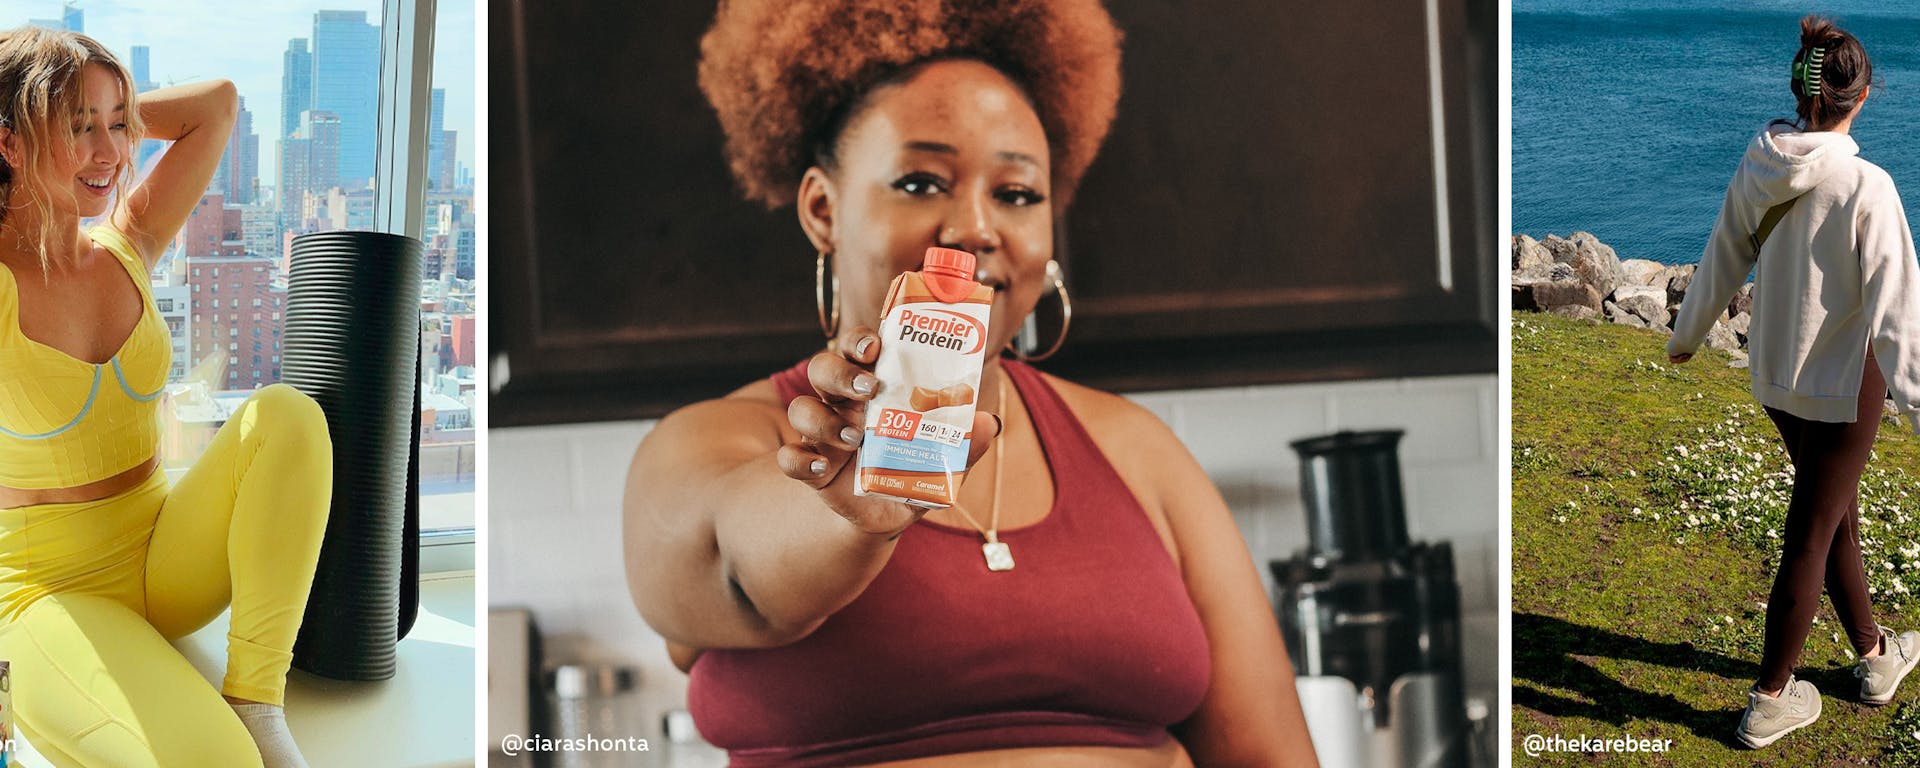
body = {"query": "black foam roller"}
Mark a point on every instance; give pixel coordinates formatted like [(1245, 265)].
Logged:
[(352, 343)]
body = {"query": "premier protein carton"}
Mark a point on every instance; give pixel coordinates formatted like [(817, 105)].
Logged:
[(933, 340)]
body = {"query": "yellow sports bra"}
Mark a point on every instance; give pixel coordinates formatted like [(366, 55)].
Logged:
[(66, 422)]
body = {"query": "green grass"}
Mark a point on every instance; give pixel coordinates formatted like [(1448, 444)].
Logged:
[(1647, 499)]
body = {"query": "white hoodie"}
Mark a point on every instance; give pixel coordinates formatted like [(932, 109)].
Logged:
[(1836, 275)]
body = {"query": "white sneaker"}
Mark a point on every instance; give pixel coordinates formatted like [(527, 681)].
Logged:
[(1768, 718), (1880, 675)]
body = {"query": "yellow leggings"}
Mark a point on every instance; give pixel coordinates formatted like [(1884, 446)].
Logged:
[(91, 593)]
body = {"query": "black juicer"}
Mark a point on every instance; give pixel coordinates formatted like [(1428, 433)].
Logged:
[(1363, 606)]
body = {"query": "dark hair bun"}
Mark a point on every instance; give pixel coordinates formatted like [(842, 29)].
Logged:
[(1819, 31), (1844, 74)]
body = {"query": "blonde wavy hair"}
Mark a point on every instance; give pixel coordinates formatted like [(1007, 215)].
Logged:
[(40, 93)]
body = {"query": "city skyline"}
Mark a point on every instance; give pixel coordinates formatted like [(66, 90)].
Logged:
[(177, 35)]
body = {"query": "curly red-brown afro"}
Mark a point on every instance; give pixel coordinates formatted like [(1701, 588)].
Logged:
[(783, 75)]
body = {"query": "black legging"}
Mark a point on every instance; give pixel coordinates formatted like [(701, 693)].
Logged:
[(1823, 531)]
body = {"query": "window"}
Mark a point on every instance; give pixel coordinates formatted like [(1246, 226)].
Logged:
[(446, 207), (313, 151)]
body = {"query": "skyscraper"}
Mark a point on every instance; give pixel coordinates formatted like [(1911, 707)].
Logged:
[(436, 143), (142, 74), (441, 144), (346, 76), (241, 164), (72, 18), (143, 82), (309, 163), (296, 85), (326, 151), (296, 154), (446, 178)]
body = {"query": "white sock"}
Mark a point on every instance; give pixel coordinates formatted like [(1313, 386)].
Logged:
[(268, 725)]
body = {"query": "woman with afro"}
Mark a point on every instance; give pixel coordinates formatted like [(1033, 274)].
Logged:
[(821, 628)]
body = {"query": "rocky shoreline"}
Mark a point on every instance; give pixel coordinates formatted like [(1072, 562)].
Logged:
[(1582, 278)]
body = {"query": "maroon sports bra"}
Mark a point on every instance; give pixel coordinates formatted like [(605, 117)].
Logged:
[(1091, 640)]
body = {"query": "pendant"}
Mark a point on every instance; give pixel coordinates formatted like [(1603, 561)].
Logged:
[(999, 557)]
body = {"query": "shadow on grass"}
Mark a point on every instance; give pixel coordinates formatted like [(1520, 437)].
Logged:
[(1553, 653)]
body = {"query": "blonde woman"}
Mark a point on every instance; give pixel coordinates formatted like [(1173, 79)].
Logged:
[(101, 562)]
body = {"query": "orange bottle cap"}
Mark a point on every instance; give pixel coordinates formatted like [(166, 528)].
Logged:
[(949, 261)]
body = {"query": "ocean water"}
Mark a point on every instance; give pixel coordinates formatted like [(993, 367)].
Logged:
[(1630, 117)]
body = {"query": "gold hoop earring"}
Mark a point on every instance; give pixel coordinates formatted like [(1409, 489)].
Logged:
[(1027, 337), (822, 274)]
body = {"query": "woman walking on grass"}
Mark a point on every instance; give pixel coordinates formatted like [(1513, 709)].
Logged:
[(1836, 327)]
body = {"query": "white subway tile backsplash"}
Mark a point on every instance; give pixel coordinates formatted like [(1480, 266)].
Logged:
[(1443, 419), (1249, 434), (555, 540), (530, 471), (601, 454), (1450, 501)]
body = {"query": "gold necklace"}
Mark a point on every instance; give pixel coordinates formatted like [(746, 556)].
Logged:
[(999, 557)]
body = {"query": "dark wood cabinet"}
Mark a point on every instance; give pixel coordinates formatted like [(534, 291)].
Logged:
[(1277, 202)]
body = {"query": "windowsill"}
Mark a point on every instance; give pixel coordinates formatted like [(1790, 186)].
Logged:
[(421, 718), (447, 510)]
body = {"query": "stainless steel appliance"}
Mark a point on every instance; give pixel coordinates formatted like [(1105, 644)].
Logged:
[(1371, 620)]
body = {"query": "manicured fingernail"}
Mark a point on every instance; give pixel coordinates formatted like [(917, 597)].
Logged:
[(860, 348), (864, 384), (999, 424), (850, 435), (819, 466)]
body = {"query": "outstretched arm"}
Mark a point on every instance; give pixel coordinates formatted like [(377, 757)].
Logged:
[(733, 540), (197, 118)]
